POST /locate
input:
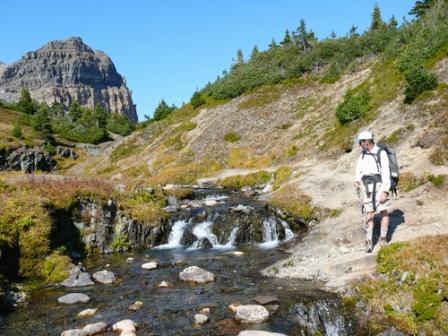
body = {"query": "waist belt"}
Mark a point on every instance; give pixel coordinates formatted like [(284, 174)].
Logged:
[(371, 179)]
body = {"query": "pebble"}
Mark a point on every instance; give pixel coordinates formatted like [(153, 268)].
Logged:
[(125, 326), (87, 312), (136, 306), (251, 314), (200, 319), (74, 298), (149, 265)]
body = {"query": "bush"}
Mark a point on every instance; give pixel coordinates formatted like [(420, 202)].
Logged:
[(120, 124), (418, 81), (232, 137), (55, 268), (197, 100), (353, 107), (436, 180), (17, 132)]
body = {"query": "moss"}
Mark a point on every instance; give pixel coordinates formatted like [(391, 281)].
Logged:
[(293, 201), (180, 193), (292, 151), (232, 137), (119, 244), (280, 176), (386, 259), (426, 298), (55, 268), (335, 212), (250, 180), (437, 180)]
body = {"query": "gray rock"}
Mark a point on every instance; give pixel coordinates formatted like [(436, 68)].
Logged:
[(200, 319), (78, 278), (428, 139), (27, 160), (391, 332), (74, 298), (251, 314), (196, 274), (104, 277), (264, 300), (259, 333), (64, 71), (65, 152), (149, 265), (95, 328), (74, 332)]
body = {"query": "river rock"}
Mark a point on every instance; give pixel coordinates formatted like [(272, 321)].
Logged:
[(238, 253), (149, 265), (74, 298), (74, 332), (125, 326), (259, 333), (196, 274), (87, 312), (163, 284), (205, 311), (251, 314), (200, 319), (204, 243), (234, 306), (78, 277), (136, 306), (242, 208), (95, 328), (104, 277), (264, 300)]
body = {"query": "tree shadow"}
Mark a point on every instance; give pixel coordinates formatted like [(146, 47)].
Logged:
[(396, 218)]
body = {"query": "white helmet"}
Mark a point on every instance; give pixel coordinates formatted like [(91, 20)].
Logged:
[(365, 135)]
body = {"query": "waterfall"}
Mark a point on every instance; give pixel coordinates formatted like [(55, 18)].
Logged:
[(288, 233), (175, 236), (204, 230), (270, 236)]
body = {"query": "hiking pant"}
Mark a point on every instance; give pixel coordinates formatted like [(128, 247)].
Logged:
[(367, 198)]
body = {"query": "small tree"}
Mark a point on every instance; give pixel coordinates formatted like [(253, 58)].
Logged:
[(100, 115), (25, 103), (74, 111), (421, 7), (42, 123), (377, 21), (286, 39), (17, 132), (197, 99), (254, 52), (163, 110), (353, 107)]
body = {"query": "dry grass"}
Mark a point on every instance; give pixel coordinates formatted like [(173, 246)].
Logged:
[(293, 201)]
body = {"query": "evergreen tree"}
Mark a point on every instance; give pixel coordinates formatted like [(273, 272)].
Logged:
[(25, 103), (421, 7), (393, 23), (162, 110), (100, 115), (303, 37), (197, 99), (42, 123), (286, 39), (377, 21), (74, 111), (254, 52), (353, 31), (273, 44), (239, 57), (333, 35)]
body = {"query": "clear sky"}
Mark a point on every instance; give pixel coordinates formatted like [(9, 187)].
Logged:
[(169, 48)]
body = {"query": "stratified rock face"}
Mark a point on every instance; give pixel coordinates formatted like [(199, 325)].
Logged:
[(63, 71)]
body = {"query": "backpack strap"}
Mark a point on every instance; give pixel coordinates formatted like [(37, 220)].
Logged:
[(376, 157)]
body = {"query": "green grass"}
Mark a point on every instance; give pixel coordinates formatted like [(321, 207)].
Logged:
[(251, 180), (232, 137), (261, 97)]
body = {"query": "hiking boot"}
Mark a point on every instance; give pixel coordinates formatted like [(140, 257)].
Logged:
[(382, 241), (369, 246)]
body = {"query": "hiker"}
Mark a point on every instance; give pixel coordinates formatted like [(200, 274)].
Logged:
[(373, 182)]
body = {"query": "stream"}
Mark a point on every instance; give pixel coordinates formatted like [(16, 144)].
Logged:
[(207, 237)]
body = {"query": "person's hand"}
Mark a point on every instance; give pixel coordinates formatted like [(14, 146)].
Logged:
[(384, 197), (357, 185)]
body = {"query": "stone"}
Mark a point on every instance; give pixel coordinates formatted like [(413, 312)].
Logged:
[(247, 192), (200, 319), (251, 314), (25, 159), (259, 333), (228, 327), (149, 265), (104, 277), (264, 300), (210, 202), (242, 208), (204, 243), (62, 71), (74, 298), (77, 278), (95, 328), (75, 332), (125, 326), (65, 152), (163, 284), (87, 312), (136, 306), (196, 274), (130, 259), (234, 306), (391, 332), (205, 310)]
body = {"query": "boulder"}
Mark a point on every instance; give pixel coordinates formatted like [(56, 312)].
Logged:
[(196, 274), (65, 152), (125, 326), (95, 328), (251, 314), (149, 265), (200, 319), (204, 243), (104, 277), (78, 277), (87, 312), (74, 298)]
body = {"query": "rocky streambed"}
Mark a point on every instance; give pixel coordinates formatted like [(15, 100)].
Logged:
[(153, 290)]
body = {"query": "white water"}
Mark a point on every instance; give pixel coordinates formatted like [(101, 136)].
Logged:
[(175, 236), (270, 230), (288, 233), (215, 197)]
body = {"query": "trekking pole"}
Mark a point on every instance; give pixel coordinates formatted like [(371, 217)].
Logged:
[(358, 192)]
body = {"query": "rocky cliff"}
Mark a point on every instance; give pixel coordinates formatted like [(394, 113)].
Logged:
[(63, 71)]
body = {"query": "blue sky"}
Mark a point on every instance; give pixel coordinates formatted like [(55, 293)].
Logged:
[(167, 49)]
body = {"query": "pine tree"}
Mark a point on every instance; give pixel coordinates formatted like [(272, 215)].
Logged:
[(42, 123), (333, 35), (303, 37), (286, 39), (393, 23), (273, 44), (353, 31), (239, 57), (254, 52), (377, 21), (100, 115), (25, 103), (421, 7), (197, 99), (74, 111), (163, 110)]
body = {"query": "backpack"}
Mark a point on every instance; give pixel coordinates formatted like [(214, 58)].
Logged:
[(393, 166)]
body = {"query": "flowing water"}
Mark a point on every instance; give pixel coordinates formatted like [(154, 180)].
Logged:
[(170, 311)]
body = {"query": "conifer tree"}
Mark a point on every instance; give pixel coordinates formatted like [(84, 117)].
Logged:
[(286, 39), (377, 21), (25, 103)]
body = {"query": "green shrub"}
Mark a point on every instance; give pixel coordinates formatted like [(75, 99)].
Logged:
[(232, 137), (386, 259), (17, 132), (197, 100), (353, 107), (418, 81), (250, 180), (50, 149), (426, 299), (120, 124), (55, 268), (436, 180)]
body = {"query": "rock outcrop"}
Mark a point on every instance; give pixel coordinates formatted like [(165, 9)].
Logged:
[(27, 160), (68, 70)]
